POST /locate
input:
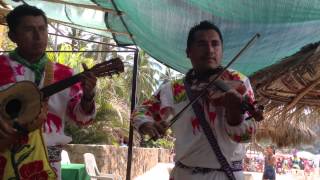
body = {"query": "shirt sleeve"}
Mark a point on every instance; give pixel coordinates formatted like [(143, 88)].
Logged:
[(243, 132), (157, 108), (74, 109)]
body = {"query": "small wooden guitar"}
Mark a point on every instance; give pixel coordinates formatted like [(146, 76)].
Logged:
[(21, 103)]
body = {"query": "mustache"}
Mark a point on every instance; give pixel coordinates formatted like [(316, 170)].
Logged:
[(209, 57)]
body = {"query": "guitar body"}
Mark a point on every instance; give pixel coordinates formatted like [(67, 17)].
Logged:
[(20, 104)]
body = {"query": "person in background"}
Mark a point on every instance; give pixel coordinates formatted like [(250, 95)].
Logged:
[(269, 172), (34, 151)]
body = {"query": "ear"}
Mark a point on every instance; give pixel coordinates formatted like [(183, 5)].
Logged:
[(12, 36)]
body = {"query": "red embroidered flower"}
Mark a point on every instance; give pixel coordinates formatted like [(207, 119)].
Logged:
[(195, 125), (33, 170), (177, 89), (155, 107), (148, 114), (164, 110), (3, 163), (212, 116), (236, 76), (6, 72), (74, 90), (250, 97), (71, 113), (55, 120), (19, 69), (23, 139), (157, 117), (61, 72), (241, 89), (237, 138), (20, 142)]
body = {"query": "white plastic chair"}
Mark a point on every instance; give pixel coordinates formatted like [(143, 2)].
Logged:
[(92, 169), (65, 157)]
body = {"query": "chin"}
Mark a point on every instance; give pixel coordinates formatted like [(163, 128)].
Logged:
[(212, 66)]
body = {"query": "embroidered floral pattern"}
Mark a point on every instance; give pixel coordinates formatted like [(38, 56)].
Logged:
[(212, 117), (195, 125), (150, 107), (250, 96), (23, 139), (179, 92), (19, 69), (244, 137), (52, 120), (61, 72), (236, 76), (75, 89), (6, 72), (33, 170), (71, 113), (21, 142)]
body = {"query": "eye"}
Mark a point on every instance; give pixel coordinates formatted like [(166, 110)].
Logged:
[(28, 29), (201, 43), (215, 43), (43, 28)]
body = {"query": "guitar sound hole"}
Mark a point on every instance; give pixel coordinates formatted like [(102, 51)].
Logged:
[(13, 108)]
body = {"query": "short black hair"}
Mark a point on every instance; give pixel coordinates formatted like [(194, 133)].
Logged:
[(14, 16), (203, 25)]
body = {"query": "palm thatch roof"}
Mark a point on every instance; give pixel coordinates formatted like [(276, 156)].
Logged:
[(290, 92)]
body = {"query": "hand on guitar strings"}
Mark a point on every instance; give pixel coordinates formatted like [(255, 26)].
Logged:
[(10, 136), (6, 129), (88, 84)]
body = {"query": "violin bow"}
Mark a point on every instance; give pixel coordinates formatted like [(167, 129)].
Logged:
[(211, 83)]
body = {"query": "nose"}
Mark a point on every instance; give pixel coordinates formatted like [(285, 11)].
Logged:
[(210, 49), (36, 34)]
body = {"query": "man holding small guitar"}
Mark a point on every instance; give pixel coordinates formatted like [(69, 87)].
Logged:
[(32, 121)]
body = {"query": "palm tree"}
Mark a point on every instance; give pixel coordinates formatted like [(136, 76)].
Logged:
[(170, 75), (149, 72)]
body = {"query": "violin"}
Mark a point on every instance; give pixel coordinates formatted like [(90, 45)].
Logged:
[(248, 105), (224, 84)]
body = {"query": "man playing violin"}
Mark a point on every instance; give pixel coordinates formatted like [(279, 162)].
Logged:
[(34, 151), (195, 158)]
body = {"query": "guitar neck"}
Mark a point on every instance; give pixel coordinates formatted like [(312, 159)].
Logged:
[(59, 86)]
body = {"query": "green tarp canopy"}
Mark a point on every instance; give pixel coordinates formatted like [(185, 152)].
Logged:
[(160, 27)]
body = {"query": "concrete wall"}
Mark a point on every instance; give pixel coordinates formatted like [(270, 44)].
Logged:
[(113, 159)]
